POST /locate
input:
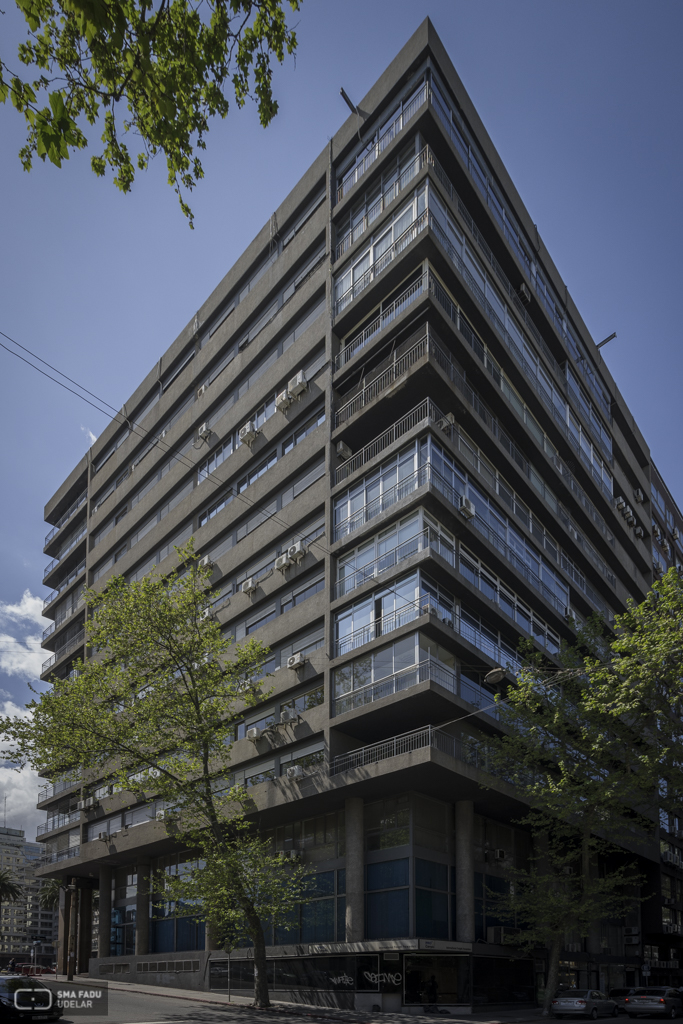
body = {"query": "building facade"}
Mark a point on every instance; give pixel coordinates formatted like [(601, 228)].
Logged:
[(393, 436), (28, 932)]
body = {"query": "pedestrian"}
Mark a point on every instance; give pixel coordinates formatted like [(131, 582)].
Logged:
[(12, 966)]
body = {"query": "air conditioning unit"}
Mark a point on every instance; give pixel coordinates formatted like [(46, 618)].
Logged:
[(343, 450), (467, 509), (254, 733), (283, 400), (80, 806), (205, 562), (104, 836), (620, 502), (249, 586), (160, 815), (631, 520), (445, 422), (638, 495), (631, 940), (631, 931), (89, 803), (638, 531), (675, 533), (283, 562), (205, 614), (204, 430), (248, 432), (298, 384), (295, 772), (288, 715), (297, 551), (296, 660), (668, 857), (201, 390), (499, 854), (524, 293)]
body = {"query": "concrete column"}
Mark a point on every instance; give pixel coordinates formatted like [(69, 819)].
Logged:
[(104, 932), (464, 871), (62, 932), (355, 871), (84, 931), (142, 909)]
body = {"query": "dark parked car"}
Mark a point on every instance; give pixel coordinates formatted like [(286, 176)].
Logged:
[(655, 1002), (574, 1002), (619, 995), (26, 998)]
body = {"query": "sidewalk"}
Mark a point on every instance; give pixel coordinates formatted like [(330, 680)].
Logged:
[(243, 1007)]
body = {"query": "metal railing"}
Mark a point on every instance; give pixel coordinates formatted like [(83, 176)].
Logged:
[(68, 612), (47, 791), (380, 264), (68, 647), (423, 541), (425, 411), (429, 670), (405, 299), (57, 855), (63, 584), (67, 516), (397, 125), (471, 752), (382, 502), (55, 561), (57, 821)]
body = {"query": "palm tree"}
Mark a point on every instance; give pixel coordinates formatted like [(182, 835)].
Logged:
[(9, 890), (48, 897)]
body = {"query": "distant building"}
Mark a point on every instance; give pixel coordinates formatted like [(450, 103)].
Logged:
[(24, 922)]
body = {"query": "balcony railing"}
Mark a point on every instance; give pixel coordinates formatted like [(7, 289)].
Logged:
[(380, 264), (426, 604), (48, 791), (57, 821), (405, 299), (68, 612), (57, 855), (55, 561), (63, 584), (424, 411), (69, 646), (67, 516), (397, 125), (471, 752), (421, 542), (429, 670)]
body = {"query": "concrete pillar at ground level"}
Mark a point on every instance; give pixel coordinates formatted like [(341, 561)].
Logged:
[(84, 931), (355, 875), (62, 932), (104, 928), (464, 871), (142, 909)]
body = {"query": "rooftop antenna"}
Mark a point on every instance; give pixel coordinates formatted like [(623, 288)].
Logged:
[(353, 108), (601, 343)]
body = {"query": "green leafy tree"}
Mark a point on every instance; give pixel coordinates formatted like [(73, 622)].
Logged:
[(561, 890), (171, 62), (10, 892), (154, 712), (48, 897), (578, 767)]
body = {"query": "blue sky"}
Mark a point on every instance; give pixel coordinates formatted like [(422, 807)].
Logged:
[(582, 100)]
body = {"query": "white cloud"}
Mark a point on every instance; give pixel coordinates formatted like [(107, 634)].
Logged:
[(89, 434), (29, 609), (21, 789)]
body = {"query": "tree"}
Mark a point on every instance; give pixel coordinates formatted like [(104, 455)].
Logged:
[(170, 61), (154, 712), (578, 767), (555, 893), (10, 892), (48, 897)]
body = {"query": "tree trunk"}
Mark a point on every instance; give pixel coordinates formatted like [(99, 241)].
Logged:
[(261, 996), (553, 973)]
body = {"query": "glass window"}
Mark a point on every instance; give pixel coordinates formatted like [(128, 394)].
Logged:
[(387, 914)]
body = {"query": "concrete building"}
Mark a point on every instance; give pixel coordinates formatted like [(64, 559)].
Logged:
[(28, 932), (400, 540)]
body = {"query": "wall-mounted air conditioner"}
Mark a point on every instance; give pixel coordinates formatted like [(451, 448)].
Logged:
[(295, 771), (205, 562), (288, 715), (283, 562), (248, 432), (298, 384), (283, 400), (296, 660), (201, 390), (467, 509), (254, 733), (343, 450), (249, 585), (524, 293), (204, 430), (638, 495), (296, 551)]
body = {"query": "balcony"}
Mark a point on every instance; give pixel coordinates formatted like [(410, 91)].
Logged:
[(49, 630), (74, 507), (422, 413), (470, 752), (390, 559), (57, 821), (47, 791), (429, 670), (68, 648), (65, 551), (63, 584), (396, 126), (499, 653), (59, 855)]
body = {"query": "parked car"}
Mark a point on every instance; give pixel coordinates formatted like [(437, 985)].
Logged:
[(655, 1001), (573, 1002), (32, 969), (619, 995), (27, 998)]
